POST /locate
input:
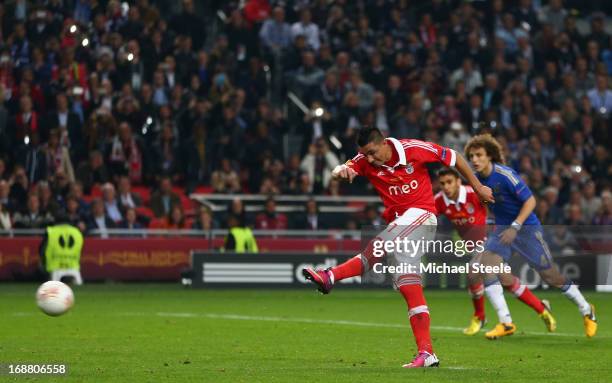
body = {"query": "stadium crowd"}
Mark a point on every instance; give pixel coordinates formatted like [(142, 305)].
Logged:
[(113, 112)]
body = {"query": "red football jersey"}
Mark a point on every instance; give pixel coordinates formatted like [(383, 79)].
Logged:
[(467, 213), (407, 183)]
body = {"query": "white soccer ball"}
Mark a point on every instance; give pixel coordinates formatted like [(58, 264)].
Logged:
[(54, 298)]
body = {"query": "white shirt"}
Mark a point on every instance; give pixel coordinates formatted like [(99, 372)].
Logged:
[(63, 119), (310, 31)]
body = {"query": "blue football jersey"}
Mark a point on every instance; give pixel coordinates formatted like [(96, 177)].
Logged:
[(510, 193)]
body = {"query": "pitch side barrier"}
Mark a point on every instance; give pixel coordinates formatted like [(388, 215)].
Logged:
[(582, 253)]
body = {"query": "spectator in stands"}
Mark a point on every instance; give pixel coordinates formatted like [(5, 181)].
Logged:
[(98, 219), (237, 208), (456, 137), (371, 218), (31, 155), (111, 204), (270, 219), (5, 190), (205, 220), (68, 124), (125, 154), (126, 198), (225, 180), (575, 216), (601, 97), (176, 219), (20, 185), (57, 156), (93, 172), (275, 34), (305, 27), (5, 217), (48, 203), (590, 203), (318, 165), (32, 217), (553, 14), (27, 121), (131, 220), (471, 77), (164, 199), (310, 219), (73, 214), (167, 153), (604, 215)]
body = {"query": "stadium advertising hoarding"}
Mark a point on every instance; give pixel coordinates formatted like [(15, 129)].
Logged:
[(142, 259), (283, 270), (581, 254)]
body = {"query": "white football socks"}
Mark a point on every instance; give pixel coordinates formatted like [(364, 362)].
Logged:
[(574, 294), (495, 294)]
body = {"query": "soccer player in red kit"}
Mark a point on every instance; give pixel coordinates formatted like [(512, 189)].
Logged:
[(461, 206), (397, 170)]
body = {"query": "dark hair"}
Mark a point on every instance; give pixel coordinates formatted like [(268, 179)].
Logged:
[(489, 144), (368, 134), (448, 172)]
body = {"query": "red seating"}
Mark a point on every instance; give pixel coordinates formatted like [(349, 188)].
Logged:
[(145, 212), (144, 192), (204, 190), (157, 223)]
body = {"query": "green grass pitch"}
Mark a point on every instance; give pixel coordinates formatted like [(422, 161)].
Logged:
[(166, 333)]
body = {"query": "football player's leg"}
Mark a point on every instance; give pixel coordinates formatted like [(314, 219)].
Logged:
[(553, 277), (476, 290), (373, 253), (416, 227), (355, 266), (495, 294), (523, 246)]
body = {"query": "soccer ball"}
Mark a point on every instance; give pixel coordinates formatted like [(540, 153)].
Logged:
[(54, 298)]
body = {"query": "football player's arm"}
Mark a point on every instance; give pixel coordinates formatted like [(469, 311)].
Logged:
[(344, 172), (529, 203), (526, 209), (347, 171), (484, 192)]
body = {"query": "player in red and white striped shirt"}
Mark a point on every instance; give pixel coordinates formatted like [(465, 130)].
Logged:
[(463, 208), (397, 170)]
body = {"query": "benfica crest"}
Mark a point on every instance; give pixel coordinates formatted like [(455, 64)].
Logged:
[(470, 208), (409, 168)]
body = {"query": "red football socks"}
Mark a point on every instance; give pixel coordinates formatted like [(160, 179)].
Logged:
[(419, 316), (477, 293), (525, 295), (350, 268)]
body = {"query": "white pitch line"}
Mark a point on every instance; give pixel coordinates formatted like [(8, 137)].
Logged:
[(332, 322)]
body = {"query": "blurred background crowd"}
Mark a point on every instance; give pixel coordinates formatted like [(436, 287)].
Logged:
[(114, 112)]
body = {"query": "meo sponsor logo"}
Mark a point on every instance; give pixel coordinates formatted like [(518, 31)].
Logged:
[(463, 221), (403, 189)]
